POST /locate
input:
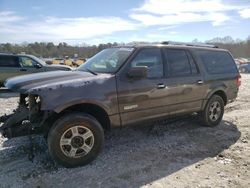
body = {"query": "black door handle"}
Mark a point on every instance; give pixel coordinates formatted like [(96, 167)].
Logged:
[(23, 69), (161, 86)]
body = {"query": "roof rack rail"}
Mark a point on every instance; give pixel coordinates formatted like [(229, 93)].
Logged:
[(9, 53), (190, 44)]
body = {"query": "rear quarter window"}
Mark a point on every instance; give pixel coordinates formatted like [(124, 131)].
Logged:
[(217, 62), (8, 61)]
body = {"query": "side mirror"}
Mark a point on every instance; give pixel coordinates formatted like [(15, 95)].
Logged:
[(38, 66), (138, 72)]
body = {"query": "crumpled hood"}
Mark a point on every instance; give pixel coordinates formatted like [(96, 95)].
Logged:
[(50, 80)]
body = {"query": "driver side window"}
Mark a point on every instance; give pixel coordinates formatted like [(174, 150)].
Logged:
[(150, 58), (26, 62)]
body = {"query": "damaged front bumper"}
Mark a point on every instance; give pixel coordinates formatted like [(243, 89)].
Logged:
[(25, 120)]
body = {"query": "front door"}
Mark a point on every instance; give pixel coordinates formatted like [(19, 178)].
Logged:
[(141, 99), (28, 65)]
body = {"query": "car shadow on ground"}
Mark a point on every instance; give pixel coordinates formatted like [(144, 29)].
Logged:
[(136, 156)]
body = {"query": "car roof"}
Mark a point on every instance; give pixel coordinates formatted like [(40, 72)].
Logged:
[(13, 54), (177, 46), (5, 53)]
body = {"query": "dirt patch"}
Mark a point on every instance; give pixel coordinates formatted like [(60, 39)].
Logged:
[(180, 154)]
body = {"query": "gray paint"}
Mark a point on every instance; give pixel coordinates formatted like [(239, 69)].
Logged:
[(9, 72)]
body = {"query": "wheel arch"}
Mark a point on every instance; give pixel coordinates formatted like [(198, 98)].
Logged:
[(92, 109), (220, 92)]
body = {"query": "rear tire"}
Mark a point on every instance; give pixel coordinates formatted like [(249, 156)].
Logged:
[(213, 112), (75, 140)]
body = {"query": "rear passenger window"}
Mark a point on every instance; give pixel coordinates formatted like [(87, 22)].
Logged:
[(8, 61), (217, 62), (179, 63)]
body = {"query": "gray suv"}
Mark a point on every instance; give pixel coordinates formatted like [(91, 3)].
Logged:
[(19, 64), (121, 86)]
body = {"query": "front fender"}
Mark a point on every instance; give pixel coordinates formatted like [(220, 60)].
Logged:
[(61, 108)]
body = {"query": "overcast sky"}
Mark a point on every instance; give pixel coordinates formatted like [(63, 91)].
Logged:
[(101, 21)]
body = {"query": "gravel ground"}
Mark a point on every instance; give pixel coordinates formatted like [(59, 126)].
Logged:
[(180, 154)]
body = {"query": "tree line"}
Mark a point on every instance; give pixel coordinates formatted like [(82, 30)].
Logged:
[(51, 50), (241, 49)]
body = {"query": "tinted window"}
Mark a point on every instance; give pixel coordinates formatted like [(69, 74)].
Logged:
[(178, 62), (151, 58), (8, 61), (217, 62)]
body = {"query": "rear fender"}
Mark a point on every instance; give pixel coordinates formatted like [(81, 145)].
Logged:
[(218, 88)]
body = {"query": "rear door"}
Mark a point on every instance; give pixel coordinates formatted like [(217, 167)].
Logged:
[(9, 67), (185, 89)]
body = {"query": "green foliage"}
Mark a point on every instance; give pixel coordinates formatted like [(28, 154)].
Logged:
[(240, 49), (49, 50)]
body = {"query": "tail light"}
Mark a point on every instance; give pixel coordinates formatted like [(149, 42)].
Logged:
[(238, 80)]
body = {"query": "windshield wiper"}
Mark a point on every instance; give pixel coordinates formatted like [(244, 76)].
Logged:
[(89, 70)]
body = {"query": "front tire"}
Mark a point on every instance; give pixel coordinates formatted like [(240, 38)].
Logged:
[(213, 112), (75, 140)]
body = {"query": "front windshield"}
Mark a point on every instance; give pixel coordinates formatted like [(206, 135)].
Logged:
[(107, 61)]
